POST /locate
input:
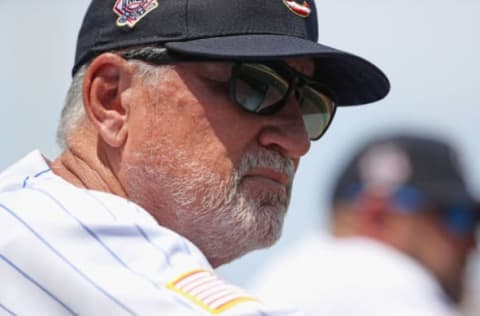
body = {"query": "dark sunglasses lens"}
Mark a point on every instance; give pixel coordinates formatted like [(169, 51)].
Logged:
[(260, 89), (257, 87), (317, 109), (460, 221)]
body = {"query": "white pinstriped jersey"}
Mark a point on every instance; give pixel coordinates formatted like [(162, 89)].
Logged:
[(71, 251)]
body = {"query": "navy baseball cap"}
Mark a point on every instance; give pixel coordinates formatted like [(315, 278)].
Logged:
[(230, 30), (416, 173)]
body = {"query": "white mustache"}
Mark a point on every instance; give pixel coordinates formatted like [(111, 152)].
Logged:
[(267, 159)]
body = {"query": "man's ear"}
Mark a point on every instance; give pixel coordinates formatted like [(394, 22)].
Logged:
[(107, 77)]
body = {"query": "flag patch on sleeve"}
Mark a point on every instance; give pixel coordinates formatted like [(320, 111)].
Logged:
[(207, 290)]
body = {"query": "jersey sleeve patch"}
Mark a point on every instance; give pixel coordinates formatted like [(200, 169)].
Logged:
[(208, 291)]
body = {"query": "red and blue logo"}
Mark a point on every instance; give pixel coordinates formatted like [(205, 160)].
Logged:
[(300, 9), (130, 12)]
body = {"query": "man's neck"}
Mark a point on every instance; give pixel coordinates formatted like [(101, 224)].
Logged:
[(87, 171)]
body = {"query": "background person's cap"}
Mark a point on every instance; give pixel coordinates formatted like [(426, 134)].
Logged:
[(229, 30), (416, 171)]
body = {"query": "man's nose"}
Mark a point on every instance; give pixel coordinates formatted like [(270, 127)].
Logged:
[(285, 131)]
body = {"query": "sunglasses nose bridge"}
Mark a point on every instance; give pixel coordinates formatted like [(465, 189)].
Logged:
[(294, 83), (298, 86), (297, 83)]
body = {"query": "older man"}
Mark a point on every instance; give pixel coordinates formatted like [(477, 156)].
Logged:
[(182, 130)]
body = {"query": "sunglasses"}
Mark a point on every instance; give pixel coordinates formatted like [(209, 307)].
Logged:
[(459, 219), (263, 88)]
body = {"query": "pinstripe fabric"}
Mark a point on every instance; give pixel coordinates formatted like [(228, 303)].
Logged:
[(4, 309), (70, 251)]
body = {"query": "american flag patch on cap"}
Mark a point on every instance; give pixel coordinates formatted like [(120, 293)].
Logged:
[(207, 290)]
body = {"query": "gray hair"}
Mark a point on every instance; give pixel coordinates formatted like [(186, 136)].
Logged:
[(73, 112)]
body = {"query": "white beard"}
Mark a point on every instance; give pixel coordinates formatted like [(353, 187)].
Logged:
[(232, 220), (223, 218)]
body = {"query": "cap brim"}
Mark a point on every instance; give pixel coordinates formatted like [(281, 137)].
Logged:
[(353, 79)]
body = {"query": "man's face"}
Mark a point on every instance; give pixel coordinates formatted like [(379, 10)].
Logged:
[(205, 168), (443, 252)]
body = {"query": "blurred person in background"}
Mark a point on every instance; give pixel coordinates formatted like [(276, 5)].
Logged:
[(403, 225)]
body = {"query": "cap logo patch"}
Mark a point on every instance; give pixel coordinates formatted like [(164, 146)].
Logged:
[(130, 12), (385, 168), (302, 10)]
